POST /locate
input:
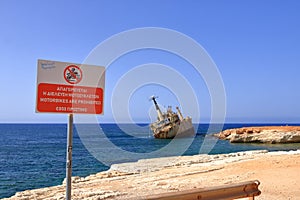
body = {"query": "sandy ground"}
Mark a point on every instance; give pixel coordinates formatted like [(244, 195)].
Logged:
[(278, 173)]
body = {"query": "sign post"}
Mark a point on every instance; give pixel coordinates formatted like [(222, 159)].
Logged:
[(69, 157), (69, 88)]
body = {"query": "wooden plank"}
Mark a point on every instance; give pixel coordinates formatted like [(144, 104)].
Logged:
[(227, 192)]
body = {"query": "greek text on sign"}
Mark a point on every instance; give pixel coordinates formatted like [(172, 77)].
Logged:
[(70, 88)]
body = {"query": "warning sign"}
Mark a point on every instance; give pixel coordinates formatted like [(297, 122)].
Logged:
[(69, 88), (73, 74)]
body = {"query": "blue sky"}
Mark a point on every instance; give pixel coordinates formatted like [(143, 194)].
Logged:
[(255, 45)]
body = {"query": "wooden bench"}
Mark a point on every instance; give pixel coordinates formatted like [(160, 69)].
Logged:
[(247, 190)]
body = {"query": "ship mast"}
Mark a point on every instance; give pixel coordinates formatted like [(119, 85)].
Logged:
[(179, 113), (159, 113)]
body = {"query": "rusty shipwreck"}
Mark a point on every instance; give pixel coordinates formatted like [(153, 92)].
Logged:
[(171, 124)]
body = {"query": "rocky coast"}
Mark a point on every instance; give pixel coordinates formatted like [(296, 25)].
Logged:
[(265, 134), (278, 173)]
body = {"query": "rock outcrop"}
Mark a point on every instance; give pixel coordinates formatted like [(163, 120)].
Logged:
[(277, 170), (266, 134)]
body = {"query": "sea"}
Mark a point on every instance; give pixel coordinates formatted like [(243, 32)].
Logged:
[(34, 155)]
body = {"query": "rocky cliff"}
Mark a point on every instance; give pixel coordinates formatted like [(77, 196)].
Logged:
[(266, 134)]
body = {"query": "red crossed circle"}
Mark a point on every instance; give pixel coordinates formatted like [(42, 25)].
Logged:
[(73, 74)]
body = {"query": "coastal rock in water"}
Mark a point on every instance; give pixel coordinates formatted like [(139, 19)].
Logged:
[(267, 134)]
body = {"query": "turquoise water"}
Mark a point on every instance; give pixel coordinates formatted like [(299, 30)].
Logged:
[(34, 155)]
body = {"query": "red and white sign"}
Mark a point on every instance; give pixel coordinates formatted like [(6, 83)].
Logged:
[(70, 88)]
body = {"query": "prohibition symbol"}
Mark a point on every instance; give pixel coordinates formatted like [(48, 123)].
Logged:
[(73, 74)]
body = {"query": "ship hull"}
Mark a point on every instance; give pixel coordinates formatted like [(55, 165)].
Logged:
[(180, 130)]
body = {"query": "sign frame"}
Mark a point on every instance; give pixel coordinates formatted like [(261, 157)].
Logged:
[(61, 90)]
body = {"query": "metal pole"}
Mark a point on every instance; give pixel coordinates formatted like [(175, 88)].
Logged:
[(69, 157)]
